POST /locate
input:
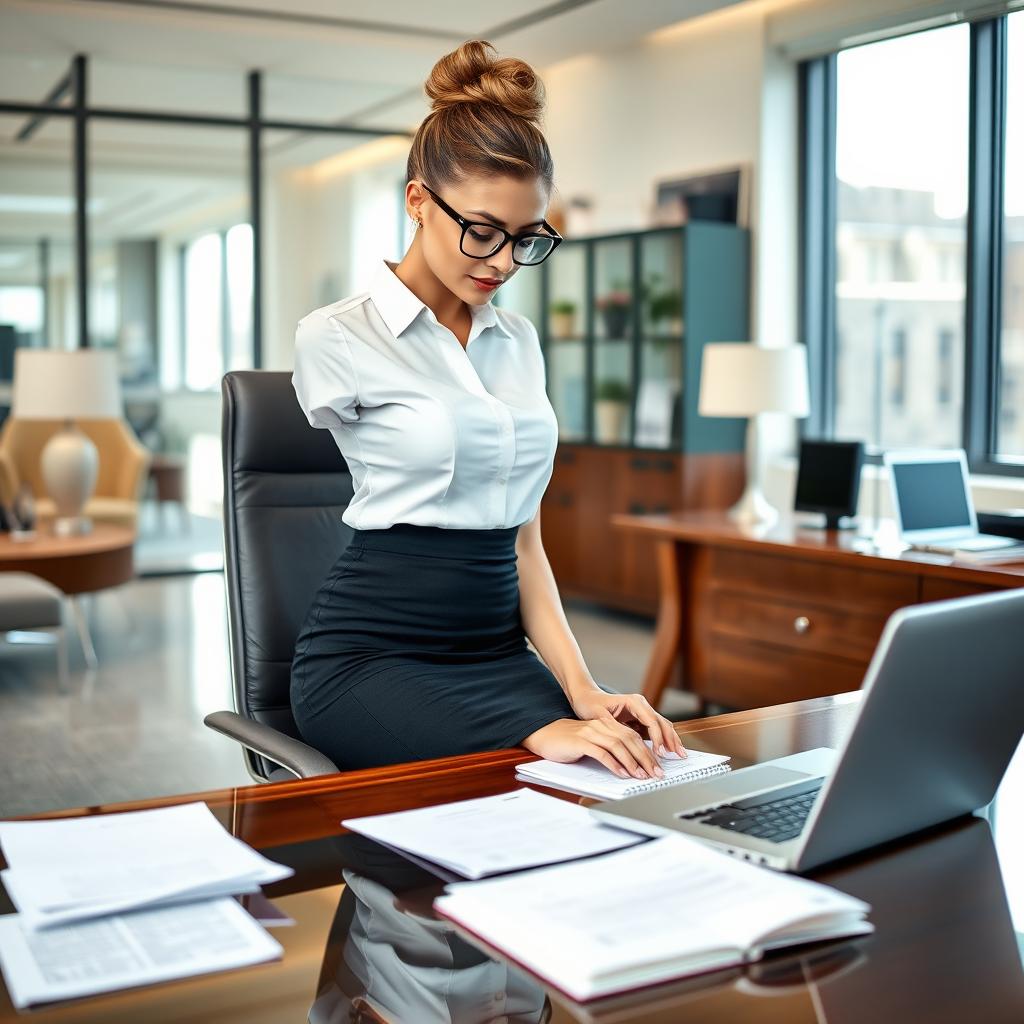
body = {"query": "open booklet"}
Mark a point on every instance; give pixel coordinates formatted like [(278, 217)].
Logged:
[(651, 913), (588, 777)]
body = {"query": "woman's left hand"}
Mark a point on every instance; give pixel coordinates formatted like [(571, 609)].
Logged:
[(633, 710)]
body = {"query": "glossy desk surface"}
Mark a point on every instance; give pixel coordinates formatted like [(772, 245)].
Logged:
[(365, 945), (840, 547)]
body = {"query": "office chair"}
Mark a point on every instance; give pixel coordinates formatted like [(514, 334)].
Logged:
[(285, 488)]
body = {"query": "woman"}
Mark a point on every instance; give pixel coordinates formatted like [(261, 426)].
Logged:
[(415, 644)]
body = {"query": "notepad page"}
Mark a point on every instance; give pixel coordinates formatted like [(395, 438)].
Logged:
[(592, 778)]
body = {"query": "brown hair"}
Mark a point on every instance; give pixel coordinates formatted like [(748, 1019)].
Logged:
[(485, 117)]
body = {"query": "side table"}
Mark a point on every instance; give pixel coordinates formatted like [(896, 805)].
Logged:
[(77, 565)]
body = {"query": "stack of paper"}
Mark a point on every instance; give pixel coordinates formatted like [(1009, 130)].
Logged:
[(124, 899), (62, 871), (494, 834)]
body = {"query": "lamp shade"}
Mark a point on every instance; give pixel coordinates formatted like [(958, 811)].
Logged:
[(739, 378), (55, 385)]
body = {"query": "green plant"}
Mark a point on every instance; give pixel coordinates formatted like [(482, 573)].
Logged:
[(611, 389), (563, 307), (664, 305)]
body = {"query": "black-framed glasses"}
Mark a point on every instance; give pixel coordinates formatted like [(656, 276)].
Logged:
[(481, 239)]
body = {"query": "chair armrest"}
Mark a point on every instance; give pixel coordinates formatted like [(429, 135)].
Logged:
[(133, 469), (299, 758), (8, 478)]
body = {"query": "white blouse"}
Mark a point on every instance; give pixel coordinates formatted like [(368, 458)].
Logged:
[(434, 434)]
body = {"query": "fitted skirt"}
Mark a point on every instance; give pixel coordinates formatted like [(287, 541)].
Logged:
[(413, 648)]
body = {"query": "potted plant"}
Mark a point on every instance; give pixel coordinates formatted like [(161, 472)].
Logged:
[(615, 306), (611, 407), (665, 311), (563, 318)]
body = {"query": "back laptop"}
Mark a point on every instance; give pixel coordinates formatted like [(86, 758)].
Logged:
[(933, 504), (941, 714)]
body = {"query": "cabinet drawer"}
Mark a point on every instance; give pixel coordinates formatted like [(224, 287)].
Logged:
[(743, 674), (799, 580), (801, 625)]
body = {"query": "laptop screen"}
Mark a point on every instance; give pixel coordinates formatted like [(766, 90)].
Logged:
[(931, 495)]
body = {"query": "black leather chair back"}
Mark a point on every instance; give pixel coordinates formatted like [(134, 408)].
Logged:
[(285, 488)]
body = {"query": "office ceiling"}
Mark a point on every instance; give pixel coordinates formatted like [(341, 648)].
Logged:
[(337, 61), (340, 59)]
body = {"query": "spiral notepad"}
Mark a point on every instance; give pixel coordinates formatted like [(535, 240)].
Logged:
[(588, 777)]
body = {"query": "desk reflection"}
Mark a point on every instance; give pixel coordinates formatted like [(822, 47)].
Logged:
[(389, 958)]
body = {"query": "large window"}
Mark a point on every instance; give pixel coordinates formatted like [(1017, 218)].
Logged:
[(901, 205), (216, 327), (913, 241), (1010, 413)]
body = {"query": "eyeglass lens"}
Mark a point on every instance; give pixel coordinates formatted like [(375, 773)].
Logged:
[(479, 240)]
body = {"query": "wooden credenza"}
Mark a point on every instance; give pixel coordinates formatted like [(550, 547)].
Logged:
[(591, 484), (749, 619)]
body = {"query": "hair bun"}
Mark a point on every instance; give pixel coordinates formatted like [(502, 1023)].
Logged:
[(475, 74)]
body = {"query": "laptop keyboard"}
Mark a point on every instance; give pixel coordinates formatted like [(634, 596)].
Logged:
[(776, 816)]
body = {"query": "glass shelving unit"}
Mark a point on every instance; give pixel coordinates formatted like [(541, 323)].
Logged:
[(623, 319)]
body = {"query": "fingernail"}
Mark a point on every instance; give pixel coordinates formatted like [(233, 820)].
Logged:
[(660, 772), (662, 750)]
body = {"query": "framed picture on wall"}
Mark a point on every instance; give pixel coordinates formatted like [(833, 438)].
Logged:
[(719, 194)]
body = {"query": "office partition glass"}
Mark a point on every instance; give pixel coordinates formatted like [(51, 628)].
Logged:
[(170, 270), (184, 90), (1010, 396), (901, 170), (37, 273)]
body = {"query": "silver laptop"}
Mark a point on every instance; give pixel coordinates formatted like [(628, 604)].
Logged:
[(932, 500), (940, 717)]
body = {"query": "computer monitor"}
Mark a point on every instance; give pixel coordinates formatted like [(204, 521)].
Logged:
[(930, 494), (828, 480)]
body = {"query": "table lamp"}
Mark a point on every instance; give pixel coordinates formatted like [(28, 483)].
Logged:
[(68, 386), (744, 379)]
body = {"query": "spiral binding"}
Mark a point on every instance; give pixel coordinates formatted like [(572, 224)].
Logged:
[(645, 787)]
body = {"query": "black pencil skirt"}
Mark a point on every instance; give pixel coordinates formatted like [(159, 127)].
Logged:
[(414, 648)]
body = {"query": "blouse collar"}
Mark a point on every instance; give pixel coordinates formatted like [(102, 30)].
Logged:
[(398, 306)]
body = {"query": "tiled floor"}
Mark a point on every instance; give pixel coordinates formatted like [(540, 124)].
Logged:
[(134, 728)]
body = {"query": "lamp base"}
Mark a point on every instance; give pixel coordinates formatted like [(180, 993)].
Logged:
[(753, 509), (70, 465), (72, 526)]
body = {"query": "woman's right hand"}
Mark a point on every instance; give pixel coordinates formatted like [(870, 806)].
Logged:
[(618, 747)]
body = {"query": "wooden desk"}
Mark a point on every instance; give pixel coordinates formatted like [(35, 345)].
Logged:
[(944, 948), (753, 618)]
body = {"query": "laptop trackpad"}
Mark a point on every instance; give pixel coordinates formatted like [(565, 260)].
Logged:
[(746, 782)]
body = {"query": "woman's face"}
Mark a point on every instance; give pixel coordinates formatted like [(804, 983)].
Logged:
[(506, 202)]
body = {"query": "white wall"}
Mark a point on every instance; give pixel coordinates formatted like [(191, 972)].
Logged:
[(327, 227)]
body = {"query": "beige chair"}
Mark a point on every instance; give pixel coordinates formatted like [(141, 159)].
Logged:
[(124, 463)]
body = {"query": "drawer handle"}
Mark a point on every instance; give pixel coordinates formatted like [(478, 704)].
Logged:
[(801, 624)]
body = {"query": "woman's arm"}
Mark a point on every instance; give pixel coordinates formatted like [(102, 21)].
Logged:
[(543, 616), (545, 624)]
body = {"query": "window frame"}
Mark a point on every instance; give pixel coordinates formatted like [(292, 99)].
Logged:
[(984, 240)]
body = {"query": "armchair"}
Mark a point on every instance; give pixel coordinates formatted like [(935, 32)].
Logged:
[(122, 472)]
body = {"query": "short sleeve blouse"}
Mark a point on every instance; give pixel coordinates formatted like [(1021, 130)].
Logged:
[(434, 434)]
